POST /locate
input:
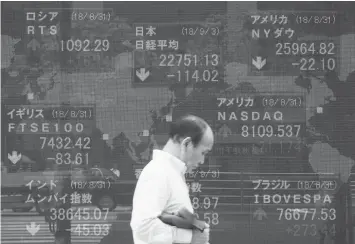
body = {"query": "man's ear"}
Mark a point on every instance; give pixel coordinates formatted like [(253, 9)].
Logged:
[(186, 142)]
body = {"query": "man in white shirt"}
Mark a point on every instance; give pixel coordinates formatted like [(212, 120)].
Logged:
[(161, 186)]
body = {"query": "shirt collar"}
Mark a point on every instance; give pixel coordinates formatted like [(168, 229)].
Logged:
[(177, 164)]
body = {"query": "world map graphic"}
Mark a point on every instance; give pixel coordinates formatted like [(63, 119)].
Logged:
[(124, 112)]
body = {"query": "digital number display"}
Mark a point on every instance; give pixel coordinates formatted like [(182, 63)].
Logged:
[(321, 48), (162, 60), (63, 134), (79, 213), (85, 45), (88, 94), (188, 60)]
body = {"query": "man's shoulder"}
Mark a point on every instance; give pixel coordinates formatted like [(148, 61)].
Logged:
[(155, 167), (156, 163)]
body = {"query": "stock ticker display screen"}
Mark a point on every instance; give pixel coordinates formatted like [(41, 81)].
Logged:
[(89, 89)]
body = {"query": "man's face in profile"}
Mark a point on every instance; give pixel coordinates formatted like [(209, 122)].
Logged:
[(195, 155)]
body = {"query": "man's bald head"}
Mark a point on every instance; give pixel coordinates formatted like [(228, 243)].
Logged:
[(194, 138), (188, 126)]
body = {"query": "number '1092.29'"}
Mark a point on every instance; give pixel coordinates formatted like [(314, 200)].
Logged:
[(86, 45)]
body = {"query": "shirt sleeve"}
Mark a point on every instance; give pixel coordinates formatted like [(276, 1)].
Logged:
[(150, 198)]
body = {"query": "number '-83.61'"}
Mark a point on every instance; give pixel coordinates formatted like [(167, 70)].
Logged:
[(69, 158)]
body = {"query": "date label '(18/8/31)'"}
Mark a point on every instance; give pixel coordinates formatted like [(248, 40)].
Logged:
[(317, 185)]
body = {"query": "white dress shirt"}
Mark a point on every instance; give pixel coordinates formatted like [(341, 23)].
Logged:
[(161, 187)]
